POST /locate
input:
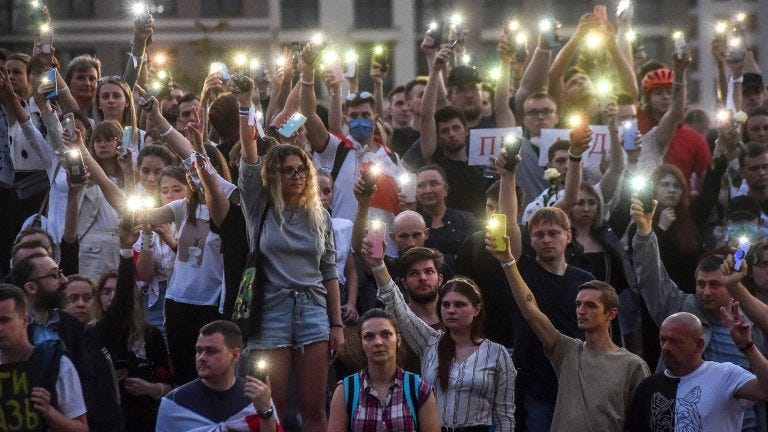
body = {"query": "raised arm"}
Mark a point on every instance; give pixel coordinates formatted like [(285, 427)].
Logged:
[(741, 333), (248, 146), (624, 71), (428, 128), (508, 204), (504, 115), (176, 141), (316, 133), (279, 93), (534, 77), (755, 310), (524, 298), (115, 197), (565, 56), (674, 115), (217, 202), (580, 139), (378, 76), (142, 32), (611, 179), (335, 116)]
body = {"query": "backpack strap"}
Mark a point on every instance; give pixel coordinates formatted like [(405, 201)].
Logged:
[(411, 384), (352, 396), (46, 360), (338, 160)]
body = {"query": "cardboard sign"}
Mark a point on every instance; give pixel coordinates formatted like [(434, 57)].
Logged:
[(599, 145), (487, 143)]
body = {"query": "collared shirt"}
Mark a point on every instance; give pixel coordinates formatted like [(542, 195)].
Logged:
[(390, 412), (46, 331)]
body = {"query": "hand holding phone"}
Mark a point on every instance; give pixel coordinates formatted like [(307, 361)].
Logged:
[(497, 228), (741, 253), (512, 145), (289, 128), (376, 232)]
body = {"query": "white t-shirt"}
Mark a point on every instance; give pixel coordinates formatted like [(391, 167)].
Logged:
[(344, 201), (68, 390), (198, 273), (342, 235)]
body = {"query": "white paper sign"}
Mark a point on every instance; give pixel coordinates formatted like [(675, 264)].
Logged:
[(600, 144), (487, 143)]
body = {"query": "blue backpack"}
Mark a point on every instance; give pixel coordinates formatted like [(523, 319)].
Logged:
[(411, 383)]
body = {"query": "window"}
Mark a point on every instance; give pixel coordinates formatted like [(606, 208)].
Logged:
[(298, 14), (373, 13), (221, 8)]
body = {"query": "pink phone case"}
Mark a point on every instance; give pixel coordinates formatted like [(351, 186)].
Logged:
[(376, 232)]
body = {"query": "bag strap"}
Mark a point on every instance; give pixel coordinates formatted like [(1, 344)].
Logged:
[(351, 396), (256, 250), (44, 202), (338, 160), (411, 384)]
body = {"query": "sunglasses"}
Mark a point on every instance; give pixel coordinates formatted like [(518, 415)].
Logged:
[(359, 96)]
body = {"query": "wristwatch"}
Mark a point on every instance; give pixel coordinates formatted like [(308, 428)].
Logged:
[(266, 414)]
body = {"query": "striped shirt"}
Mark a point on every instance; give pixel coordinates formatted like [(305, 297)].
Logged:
[(480, 389), (386, 413)]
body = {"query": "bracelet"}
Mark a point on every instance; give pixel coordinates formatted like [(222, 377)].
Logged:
[(307, 83), (379, 267), (510, 263), (337, 325), (572, 157), (746, 348), (162, 390), (164, 134)]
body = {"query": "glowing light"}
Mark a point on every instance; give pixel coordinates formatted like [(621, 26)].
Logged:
[(45, 28), (162, 74), (721, 27), (350, 56), (456, 19), (73, 154), (375, 169), (376, 224), (261, 364), (216, 67), (432, 26), (133, 203), (493, 223), (160, 58), (259, 115), (45, 80), (638, 183), (240, 59), (593, 40), (254, 63), (404, 179), (378, 49), (630, 36), (604, 87), (494, 73), (280, 61), (466, 58), (623, 5), (574, 120), (34, 4), (521, 38), (514, 25), (317, 39), (147, 202), (678, 35), (741, 16), (139, 9), (723, 116), (734, 42), (545, 25), (627, 124), (156, 86), (330, 57), (743, 239)]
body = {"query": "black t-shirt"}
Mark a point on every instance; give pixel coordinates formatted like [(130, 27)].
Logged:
[(457, 226), (479, 265), (217, 406), (402, 139), (466, 184), (556, 297), (234, 248)]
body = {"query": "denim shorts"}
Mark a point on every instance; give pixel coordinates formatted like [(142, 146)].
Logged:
[(296, 321)]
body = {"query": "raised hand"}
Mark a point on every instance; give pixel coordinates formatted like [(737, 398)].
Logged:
[(741, 330), (643, 220)]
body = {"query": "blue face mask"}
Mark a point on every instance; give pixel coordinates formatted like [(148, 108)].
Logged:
[(361, 128)]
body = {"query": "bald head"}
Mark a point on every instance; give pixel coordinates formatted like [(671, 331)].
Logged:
[(687, 322), (409, 230)]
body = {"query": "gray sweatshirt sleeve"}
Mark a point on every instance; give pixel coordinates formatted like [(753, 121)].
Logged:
[(661, 294)]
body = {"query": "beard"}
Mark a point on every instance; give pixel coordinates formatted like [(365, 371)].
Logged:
[(50, 300), (423, 297)]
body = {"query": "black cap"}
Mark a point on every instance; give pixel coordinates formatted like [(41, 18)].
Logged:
[(463, 75), (752, 80), (743, 208)]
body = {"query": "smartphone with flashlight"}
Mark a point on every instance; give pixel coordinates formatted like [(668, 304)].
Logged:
[(681, 45), (75, 167), (521, 49), (68, 124), (741, 253), (370, 174), (407, 182), (512, 145), (292, 125), (350, 66), (624, 10), (736, 51), (629, 134), (435, 31), (551, 36), (380, 57), (50, 77), (376, 232), (45, 41), (221, 68), (127, 140), (642, 190), (497, 228), (260, 370)]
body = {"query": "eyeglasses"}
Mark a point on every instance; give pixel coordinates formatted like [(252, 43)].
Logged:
[(540, 112), (56, 274), (362, 95), (539, 235), (290, 172)]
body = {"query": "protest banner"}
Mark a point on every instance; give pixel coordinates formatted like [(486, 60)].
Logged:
[(591, 157), (487, 143)]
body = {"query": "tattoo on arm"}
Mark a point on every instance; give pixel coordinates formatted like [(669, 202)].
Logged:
[(529, 297)]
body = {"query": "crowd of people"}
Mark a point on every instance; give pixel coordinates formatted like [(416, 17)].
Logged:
[(247, 258)]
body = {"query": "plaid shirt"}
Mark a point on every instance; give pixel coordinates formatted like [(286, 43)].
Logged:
[(393, 414)]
